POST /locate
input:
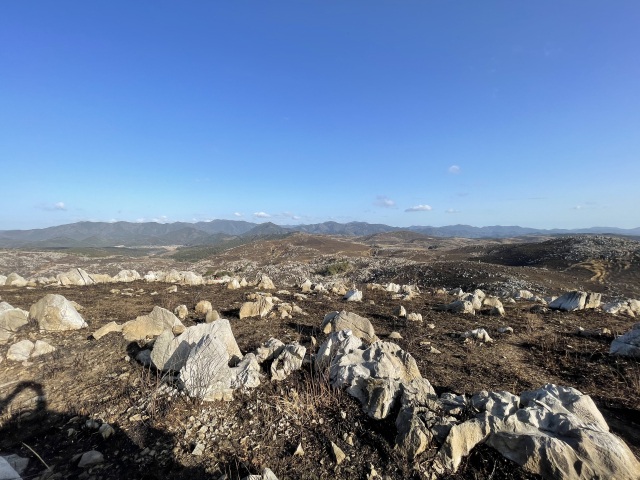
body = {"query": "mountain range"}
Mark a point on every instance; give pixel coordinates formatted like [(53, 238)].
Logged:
[(107, 234)]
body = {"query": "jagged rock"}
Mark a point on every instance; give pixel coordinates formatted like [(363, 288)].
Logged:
[(269, 350), (289, 360), (557, 432), (339, 288), (181, 311), (243, 282), (360, 326), (11, 320), (401, 312), (523, 295), (504, 330), (15, 280), (456, 292), (7, 472), (266, 283), (106, 430), (89, 459), (212, 316), (206, 373), (42, 348), (18, 463), (170, 353), (627, 345), (478, 334), (394, 336), (20, 352), (151, 325), (267, 474), (472, 298), (259, 308), (619, 307), (126, 276), (75, 276), (55, 313), (414, 317), (335, 346), (191, 278), (105, 329), (203, 307), (575, 300), (234, 284), (353, 296), (247, 373), (338, 454)]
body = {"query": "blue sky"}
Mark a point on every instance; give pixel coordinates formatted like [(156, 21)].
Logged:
[(407, 113)]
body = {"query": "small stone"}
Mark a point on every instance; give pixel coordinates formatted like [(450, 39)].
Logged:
[(299, 451), (198, 450), (338, 454), (505, 330), (91, 424), (106, 430), (395, 336), (91, 458)]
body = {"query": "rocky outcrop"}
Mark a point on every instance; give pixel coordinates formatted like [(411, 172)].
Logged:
[(265, 283), (260, 308), (56, 313), (360, 326), (288, 360), (627, 345), (75, 276), (15, 280), (354, 295), (151, 325)]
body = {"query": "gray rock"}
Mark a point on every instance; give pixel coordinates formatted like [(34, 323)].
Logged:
[(570, 301), (206, 373), (478, 334), (627, 345), (7, 472), (181, 311), (18, 463), (106, 329), (11, 320), (42, 348), (106, 430), (151, 325), (269, 350), (91, 458), (353, 296), (56, 313), (259, 308), (247, 373), (289, 360)]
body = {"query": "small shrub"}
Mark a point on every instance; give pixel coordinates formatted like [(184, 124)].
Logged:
[(336, 268)]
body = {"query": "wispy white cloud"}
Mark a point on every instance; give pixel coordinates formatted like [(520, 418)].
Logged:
[(384, 202), (160, 219), (290, 215), (451, 210), (261, 215), (419, 208), (237, 214), (454, 169), (60, 206)]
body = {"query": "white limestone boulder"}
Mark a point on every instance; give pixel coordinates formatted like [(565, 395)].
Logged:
[(360, 326), (151, 325), (627, 345), (11, 320), (55, 313)]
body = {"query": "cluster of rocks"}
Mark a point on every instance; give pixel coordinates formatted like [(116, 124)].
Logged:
[(553, 431), (470, 303)]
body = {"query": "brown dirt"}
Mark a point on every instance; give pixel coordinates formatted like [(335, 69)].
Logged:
[(85, 379)]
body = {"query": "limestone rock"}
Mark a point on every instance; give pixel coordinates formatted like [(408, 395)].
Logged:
[(212, 316), (203, 307), (55, 313), (360, 326), (15, 280), (401, 312), (459, 306), (266, 283), (269, 350), (627, 345), (414, 317), (394, 336), (353, 296), (338, 454), (305, 286), (127, 276), (75, 276), (234, 284), (151, 325), (523, 295), (206, 373), (105, 329), (18, 465), (392, 287), (42, 348), (11, 320), (619, 307), (181, 311), (478, 334), (338, 288), (247, 373), (475, 300), (171, 353), (570, 301), (259, 308), (289, 360), (20, 352)]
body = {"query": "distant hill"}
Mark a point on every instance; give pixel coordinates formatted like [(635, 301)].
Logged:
[(104, 234)]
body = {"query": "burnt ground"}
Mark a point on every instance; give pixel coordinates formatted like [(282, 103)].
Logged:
[(89, 379)]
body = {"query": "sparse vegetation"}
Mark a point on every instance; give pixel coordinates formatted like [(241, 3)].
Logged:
[(336, 268)]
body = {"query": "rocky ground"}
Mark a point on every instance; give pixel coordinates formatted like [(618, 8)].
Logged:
[(53, 408)]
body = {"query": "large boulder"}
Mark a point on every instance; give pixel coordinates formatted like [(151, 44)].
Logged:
[(171, 353), (11, 320), (151, 325), (620, 307), (206, 373), (55, 313), (354, 295), (203, 307), (360, 326), (266, 283), (19, 352), (627, 345), (289, 360)]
